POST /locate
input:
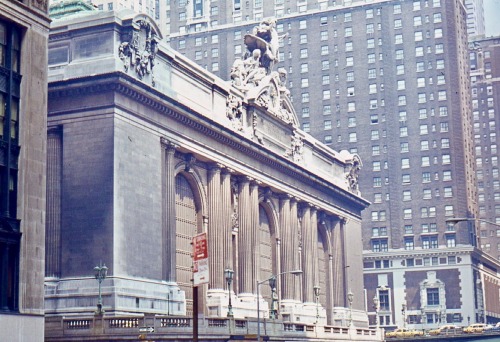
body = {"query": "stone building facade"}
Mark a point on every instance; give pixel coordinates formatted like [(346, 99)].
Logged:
[(146, 150), (485, 86), (24, 29), (388, 80)]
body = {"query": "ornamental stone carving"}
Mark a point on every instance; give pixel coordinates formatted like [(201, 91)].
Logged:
[(352, 174), (297, 148), (234, 112), (254, 74), (138, 50)]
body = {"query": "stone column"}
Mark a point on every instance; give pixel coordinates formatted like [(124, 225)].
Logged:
[(287, 238), (245, 253), (53, 220), (330, 297), (295, 257), (338, 264), (307, 255), (168, 202), (314, 246), (226, 220), (255, 244), (215, 234)]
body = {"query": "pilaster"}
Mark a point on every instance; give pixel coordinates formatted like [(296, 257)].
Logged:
[(168, 195), (245, 271), (307, 257), (215, 230), (53, 220), (287, 285), (255, 233)]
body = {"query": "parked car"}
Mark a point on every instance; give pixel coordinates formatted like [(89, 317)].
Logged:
[(403, 332), (495, 328), (476, 328), (449, 329)]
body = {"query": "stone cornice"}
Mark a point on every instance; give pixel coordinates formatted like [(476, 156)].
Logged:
[(416, 253), (138, 91)]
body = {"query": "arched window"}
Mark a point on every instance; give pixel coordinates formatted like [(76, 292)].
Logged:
[(186, 218)]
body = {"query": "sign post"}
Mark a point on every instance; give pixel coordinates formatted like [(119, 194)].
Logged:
[(200, 274), (200, 259)]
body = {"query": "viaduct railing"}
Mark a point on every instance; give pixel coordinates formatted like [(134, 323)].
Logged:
[(157, 328)]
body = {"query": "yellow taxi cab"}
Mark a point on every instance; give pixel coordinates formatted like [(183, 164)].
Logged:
[(476, 328), (403, 332), (449, 329)]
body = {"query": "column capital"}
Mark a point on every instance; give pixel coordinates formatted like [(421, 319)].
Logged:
[(168, 145), (285, 197), (255, 183), (227, 171), (243, 179), (54, 130), (215, 167), (304, 205)]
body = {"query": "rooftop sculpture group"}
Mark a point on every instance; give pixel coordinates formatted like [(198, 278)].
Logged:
[(254, 74)]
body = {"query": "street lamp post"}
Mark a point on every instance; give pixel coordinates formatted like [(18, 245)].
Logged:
[(272, 279), (376, 306), (316, 293), (350, 298), (423, 318), (228, 273), (403, 312), (100, 274), (273, 313), (455, 220)]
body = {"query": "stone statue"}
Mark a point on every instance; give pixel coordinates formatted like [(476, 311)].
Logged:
[(267, 32), (353, 174)]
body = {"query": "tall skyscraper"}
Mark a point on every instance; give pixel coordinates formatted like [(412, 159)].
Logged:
[(475, 18), (485, 79), (24, 29), (388, 80)]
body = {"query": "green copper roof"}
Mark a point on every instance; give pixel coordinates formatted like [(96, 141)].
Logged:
[(69, 7)]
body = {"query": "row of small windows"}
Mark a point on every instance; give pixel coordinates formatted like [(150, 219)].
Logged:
[(426, 242), (372, 72), (491, 114), (480, 173), (407, 196), (406, 178), (374, 103), (493, 159), (490, 102), (425, 212), (493, 233), (432, 293), (482, 197), (369, 13), (495, 185), (375, 135)]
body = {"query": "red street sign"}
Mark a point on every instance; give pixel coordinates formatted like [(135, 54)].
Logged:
[(200, 247)]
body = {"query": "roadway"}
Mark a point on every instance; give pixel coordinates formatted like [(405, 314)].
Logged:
[(492, 336)]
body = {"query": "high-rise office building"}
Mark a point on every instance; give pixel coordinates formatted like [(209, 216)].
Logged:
[(388, 80), (475, 18), (485, 80), (24, 29)]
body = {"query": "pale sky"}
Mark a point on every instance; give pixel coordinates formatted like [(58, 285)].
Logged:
[(492, 17)]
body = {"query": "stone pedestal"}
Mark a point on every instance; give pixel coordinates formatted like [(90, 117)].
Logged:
[(310, 313), (119, 296)]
